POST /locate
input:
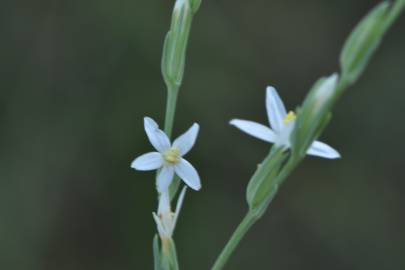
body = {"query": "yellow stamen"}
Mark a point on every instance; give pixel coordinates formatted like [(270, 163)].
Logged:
[(289, 117), (172, 155)]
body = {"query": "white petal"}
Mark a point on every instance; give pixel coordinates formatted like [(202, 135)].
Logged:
[(275, 109), (164, 178), (148, 162), (188, 174), (178, 205), (186, 141), (157, 137), (321, 149), (283, 138), (255, 129)]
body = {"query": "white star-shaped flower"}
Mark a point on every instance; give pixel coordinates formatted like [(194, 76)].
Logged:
[(169, 157), (166, 219), (281, 126)]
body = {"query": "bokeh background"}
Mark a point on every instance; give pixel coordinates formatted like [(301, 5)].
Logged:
[(77, 77)]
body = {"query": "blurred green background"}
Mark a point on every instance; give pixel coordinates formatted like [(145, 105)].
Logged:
[(77, 77)]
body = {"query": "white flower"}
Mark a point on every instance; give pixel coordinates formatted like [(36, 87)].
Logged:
[(282, 124), (169, 157), (166, 219)]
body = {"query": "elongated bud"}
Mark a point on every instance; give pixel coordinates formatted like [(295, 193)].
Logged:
[(175, 45), (314, 114), (363, 41), (262, 186)]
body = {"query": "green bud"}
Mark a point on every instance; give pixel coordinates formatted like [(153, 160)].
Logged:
[(175, 45), (262, 186), (314, 114), (363, 42)]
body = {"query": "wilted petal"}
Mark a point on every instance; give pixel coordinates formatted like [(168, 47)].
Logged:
[(147, 162), (255, 129), (321, 149), (164, 178), (157, 137), (275, 109), (186, 141), (188, 174)]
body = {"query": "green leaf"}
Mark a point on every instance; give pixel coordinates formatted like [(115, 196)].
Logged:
[(363, 42), (156, 253), (173, 255)]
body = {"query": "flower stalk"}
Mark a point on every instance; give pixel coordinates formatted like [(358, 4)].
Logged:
[(170, 159)]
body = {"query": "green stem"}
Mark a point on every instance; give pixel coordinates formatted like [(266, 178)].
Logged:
[(171, 102), (250, 219), (236, 237)]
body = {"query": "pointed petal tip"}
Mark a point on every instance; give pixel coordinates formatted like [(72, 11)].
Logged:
[(270, 88), (133, 165), (195, 127), (148, 121), (233, 122), (186, 141), (196, 187), (188, 174), (323, 150), (147, 162)]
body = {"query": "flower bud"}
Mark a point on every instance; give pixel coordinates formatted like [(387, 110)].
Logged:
[(314, 114), (363, 42), (175, 46)]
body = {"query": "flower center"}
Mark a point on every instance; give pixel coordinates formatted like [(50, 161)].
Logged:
[(289, 117), (172, 155)]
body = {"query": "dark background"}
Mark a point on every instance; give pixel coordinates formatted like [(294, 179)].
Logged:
[(77, 77)]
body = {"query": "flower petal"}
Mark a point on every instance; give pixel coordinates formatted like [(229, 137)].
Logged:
[(164, 179), (188, 174), (321, 149), (157, 137), (147, 162), (283, 138), (275, 109), (255, 129), (186, 141)]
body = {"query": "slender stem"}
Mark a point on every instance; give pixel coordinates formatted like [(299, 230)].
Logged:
[(249, 220), (236, 237), (171, 102)]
